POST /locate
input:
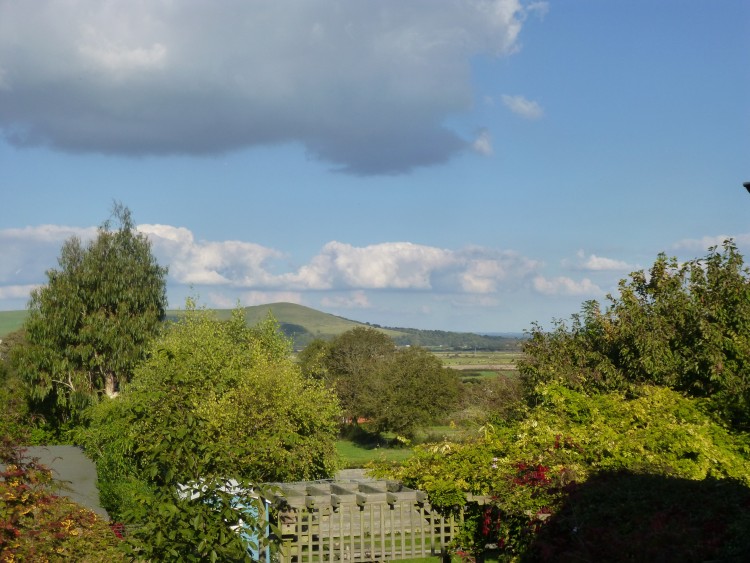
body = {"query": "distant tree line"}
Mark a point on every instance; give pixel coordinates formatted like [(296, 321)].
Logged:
[(432, 339)]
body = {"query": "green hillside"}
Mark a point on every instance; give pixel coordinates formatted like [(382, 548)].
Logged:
[(300, 323), (304, 324)]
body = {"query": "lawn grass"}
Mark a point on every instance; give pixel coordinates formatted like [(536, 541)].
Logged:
[(356, 455)]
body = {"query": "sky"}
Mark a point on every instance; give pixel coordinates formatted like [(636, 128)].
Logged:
[(467, 165)]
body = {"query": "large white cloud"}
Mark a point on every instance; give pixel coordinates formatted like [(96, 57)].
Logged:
[(366, 85), (207, 262), (256, 272)]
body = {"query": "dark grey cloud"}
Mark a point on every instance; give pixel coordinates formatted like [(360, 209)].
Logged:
[(366, 86)]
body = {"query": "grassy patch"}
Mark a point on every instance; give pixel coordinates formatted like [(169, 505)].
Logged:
[(358, 455)]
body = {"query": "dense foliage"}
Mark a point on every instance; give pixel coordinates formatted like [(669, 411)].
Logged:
[(394, 390), (15, 419), (526, 469), (635, 418), (408, 390), (91, 323), (212, 399), (684, 326)]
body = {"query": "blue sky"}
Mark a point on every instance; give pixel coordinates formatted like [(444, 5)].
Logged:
[(466, 165)]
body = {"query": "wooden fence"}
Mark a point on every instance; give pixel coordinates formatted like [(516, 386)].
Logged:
[(358, 520)]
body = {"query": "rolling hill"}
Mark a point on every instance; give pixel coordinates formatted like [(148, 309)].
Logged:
[(304, 324)]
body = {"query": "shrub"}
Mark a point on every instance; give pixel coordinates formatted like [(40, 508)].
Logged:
[(525, 469)]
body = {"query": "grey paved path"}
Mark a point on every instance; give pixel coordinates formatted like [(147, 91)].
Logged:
[(74, 471)]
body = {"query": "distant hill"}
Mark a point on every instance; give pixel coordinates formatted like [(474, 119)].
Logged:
[(304, 324)]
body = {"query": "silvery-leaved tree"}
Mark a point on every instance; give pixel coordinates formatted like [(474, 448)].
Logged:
[(89, 325)]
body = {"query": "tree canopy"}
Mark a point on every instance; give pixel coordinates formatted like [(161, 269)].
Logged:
[(684, 326), (645, 399), (394, 389), (90, 324), (213, 398)]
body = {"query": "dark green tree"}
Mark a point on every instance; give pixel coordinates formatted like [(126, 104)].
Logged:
[(91, 323), (394, 389), (683, 326), (15, 421), (408, 390), (352, 360)]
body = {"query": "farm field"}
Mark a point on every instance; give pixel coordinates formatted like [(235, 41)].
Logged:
[(480, 364), (496, 361)]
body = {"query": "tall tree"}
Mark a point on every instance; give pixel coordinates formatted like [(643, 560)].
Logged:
[(352, 360), (409, 390), (90, 324), (683, 326), (395, 389)]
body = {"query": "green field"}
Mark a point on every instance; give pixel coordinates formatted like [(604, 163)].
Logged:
[(11, 321), (466, 360)]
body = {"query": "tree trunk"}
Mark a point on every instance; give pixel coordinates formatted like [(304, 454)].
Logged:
[(110, 385)]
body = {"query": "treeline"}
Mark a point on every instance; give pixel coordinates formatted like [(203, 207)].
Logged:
[(432, 339), (446, 340)]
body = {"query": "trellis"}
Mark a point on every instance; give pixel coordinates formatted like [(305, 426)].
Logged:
[(359, 520)]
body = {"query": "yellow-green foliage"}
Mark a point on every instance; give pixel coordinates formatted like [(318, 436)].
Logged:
[(525, 467), (238, 396)]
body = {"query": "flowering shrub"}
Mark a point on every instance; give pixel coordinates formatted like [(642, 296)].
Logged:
[(517, 476), (37, 525)]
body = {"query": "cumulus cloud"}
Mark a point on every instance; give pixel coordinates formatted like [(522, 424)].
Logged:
[(595, 263), (210, 263), (226, 271), (366, 86), (404, 265), (565, 286), (523, 107), (398, 265)]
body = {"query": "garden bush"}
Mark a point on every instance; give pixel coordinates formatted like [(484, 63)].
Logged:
[(526, 470)]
